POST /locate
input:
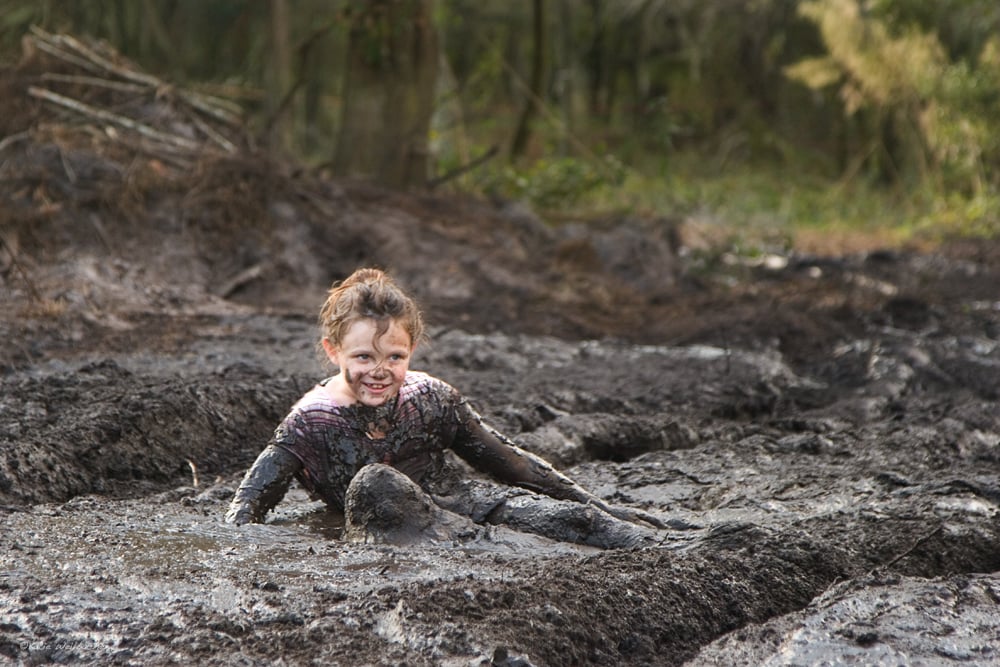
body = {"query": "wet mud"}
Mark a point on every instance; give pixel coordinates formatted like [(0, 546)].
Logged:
[(821, 435), (814, 521)]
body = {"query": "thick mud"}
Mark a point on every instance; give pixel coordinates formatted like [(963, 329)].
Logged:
[(821, 434)]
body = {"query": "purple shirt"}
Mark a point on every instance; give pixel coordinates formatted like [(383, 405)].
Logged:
[(410, 433)]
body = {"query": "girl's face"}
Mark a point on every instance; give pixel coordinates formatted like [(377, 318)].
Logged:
[(371, 370)]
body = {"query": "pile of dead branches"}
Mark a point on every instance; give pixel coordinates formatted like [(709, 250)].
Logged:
[(88, 89), (97, 155)]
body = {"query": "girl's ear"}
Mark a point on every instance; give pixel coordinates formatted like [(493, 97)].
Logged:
[(332, 351)]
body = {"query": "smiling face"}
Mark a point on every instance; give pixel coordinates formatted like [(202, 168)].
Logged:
[(372, 367)]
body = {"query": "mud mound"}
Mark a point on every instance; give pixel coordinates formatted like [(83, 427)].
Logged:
[(152, 197), (102, 429)]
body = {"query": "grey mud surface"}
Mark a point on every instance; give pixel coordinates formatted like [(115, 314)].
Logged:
[(822, 432), (840, 518)]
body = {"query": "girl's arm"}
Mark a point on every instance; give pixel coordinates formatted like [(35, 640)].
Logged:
[(263, 486), (491, 452)]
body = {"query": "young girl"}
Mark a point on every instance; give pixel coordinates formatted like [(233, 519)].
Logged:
[(395, 426)]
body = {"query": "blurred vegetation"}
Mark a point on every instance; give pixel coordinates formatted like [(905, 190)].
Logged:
[(783, 119)]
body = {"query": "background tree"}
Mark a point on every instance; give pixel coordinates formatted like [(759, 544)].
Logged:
[(535, 93), (279, 77), (915, 112), (899, 98), (388, 93)]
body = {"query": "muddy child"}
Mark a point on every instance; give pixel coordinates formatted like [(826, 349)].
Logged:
[(385, 445)]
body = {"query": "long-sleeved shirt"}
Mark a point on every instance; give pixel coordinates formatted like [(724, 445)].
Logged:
[(324, 444)]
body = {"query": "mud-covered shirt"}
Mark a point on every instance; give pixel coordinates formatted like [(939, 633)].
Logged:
[(410, 433), (324, 444)]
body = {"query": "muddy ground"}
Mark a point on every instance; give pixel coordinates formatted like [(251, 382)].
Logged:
[(827, 426)]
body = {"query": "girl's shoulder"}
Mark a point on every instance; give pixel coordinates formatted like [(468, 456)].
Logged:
[(316, 399), (420, 378), (314, 412), (319, 404), (418, 383), (415, 384)]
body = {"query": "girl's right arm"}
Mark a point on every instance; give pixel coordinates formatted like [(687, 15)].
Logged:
[(263, 486)]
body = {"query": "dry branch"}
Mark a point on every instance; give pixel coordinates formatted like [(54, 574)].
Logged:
[(13, 139), (75, 52), (240, 279), (94, 81), (108, 117), (57, 52), (94, 61), (212, 134)]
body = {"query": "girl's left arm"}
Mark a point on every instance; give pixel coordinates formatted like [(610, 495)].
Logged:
[(491, 452), (488, 450)]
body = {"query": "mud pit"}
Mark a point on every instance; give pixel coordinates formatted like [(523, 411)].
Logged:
[(827, 428)]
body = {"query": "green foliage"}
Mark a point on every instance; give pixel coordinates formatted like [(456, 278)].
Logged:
[(933, 118), (765, 116), (752, 209), (957, 216), (555, 182)]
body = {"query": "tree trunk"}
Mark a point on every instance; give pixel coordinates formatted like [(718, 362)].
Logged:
[(536, 92), (279, 77), (596, 58), (388, 94), (639, 65), (565, 86)]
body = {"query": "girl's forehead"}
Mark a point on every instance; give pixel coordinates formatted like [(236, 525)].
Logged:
[(363, 331)]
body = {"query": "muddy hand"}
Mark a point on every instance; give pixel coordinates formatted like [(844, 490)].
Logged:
[(629, 514), (635, 516), (239, 516)]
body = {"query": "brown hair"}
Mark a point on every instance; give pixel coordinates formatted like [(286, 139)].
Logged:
[(369, 293)]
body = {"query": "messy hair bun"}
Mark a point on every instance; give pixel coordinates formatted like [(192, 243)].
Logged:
[(369, 293)]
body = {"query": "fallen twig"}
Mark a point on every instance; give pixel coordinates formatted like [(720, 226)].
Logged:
[(240, 279), (95, 81), (913, 547), (55, 51), (212, 134), (73, 51), (93, 59), (465, 168), (13, 139), (107, 116), (32, 289)]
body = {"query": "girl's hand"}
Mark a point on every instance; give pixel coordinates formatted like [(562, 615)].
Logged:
[(634, 516), (629, 514)]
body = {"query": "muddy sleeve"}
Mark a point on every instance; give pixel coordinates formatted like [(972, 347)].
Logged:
[(491, 452), (263, 486)]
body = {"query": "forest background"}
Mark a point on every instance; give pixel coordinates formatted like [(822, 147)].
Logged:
[(812, 123)]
